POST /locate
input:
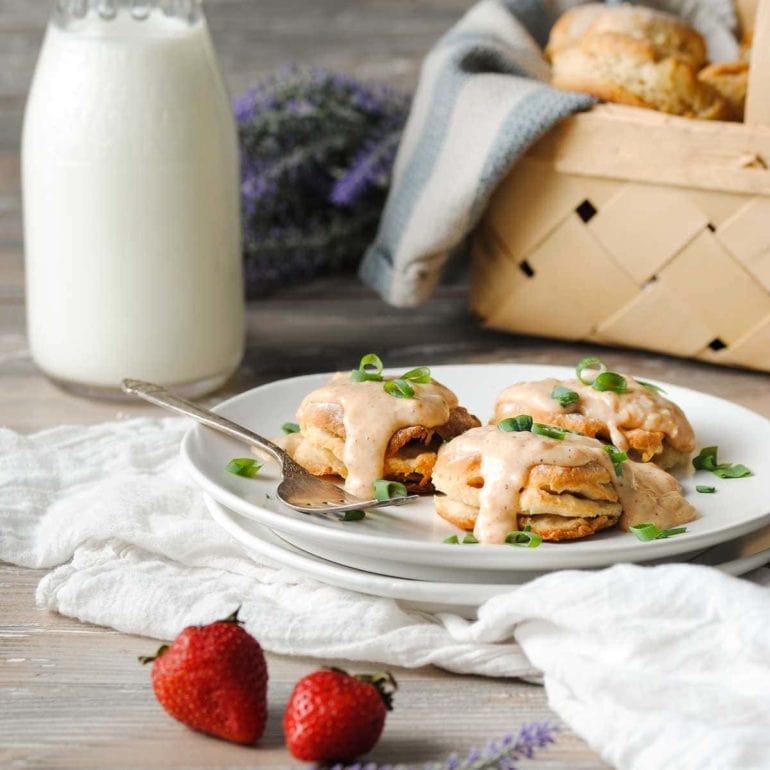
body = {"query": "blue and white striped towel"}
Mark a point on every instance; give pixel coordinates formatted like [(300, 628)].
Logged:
[(482, 100)]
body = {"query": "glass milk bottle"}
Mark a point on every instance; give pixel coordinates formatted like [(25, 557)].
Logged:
[(131, 200)]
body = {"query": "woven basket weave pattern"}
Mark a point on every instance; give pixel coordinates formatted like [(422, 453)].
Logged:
[(677, 270)]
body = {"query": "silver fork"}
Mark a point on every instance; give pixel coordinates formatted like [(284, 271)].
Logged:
[(298, 489)]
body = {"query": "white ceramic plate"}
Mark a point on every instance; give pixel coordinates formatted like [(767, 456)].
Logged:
[(461, 598), (407, 541)]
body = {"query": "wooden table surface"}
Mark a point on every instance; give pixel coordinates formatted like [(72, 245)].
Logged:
[(72, 695)]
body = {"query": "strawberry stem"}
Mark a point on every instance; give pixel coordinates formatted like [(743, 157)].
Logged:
[(233, 617), (385, 684), (150, 658)]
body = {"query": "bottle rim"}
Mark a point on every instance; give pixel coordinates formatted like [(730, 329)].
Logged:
[(68, 11)]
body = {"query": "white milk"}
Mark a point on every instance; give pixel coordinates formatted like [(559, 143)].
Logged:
[(131, 206)]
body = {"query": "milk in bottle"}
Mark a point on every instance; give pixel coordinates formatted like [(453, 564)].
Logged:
[(131, 205)]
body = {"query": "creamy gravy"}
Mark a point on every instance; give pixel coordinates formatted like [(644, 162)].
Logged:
[(371, 417), (649, 494), (639, 407), (646, 492)]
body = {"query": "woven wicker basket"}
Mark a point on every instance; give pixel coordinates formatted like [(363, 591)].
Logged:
[(631, 227)]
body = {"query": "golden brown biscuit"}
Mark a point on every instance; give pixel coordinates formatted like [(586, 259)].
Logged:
[(731, 80), (746, 43), (494, 482), (358, 432), (624, 69), (642, 422), (668, 35)]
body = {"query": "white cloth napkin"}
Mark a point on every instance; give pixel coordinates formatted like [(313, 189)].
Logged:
[(656, 667)]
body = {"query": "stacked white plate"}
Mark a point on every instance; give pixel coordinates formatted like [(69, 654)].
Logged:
[(398, 552)]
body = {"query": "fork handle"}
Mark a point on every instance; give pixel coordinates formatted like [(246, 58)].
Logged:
[(156, 394)]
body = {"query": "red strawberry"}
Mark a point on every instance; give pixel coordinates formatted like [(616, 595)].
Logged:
[(333, 716), (214, 679)]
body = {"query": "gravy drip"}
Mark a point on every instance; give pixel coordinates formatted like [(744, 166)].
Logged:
[(646, 492), (649, 494), (371, 417), (639, 407)]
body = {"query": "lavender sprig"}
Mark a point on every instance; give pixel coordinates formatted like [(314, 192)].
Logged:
[(496, 755), (317, 150)]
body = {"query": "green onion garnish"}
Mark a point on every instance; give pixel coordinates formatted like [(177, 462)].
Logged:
[(650, 385), (452, 540), (243, 466), (617, 457), (419, 375), (549, 430), (589, 363), (707, 461), (290, 427), (732, 471), (369, 369), (610, 381), (399, 388), (564, 396), (649, 531), (353, 516), (602, 380), (705, 490), (388, 490), (521, 423), (469, 539), (525, 538)]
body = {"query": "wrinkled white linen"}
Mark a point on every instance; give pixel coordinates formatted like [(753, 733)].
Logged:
[(656, 667)]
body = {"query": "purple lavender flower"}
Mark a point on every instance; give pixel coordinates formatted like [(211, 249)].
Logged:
[(497, 755), (317, 152)]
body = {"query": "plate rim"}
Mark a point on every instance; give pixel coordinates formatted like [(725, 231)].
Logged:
[(399, 588)]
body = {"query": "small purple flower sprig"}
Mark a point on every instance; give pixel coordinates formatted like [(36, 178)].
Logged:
[(496, 755), (317, 151)]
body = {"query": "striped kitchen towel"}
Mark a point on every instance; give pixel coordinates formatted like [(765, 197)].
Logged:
[(482, 100)]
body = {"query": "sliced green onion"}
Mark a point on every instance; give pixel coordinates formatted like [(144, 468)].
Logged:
[(705, 490), (369, 369), (290, 427), (353, 516), (469, 539), (707, 461), (388, 490), (243, 466), (452, 540), (650, 385), (399, 388), (589, 363), (419, 375), (524, 538), (730, 471), (549, 430), (617, 457), (564, 396), (610, 381), (522, 422), (649, 531)]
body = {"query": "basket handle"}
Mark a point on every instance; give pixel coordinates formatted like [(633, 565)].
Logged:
[(758, 94)]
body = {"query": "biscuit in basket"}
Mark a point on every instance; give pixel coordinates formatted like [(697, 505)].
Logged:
[(495, 482), (357, 431), (640, 421), (731, 80), (634, 56), (624, 69), (668, 35)]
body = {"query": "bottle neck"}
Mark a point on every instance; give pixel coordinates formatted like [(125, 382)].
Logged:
[(70, 12)]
